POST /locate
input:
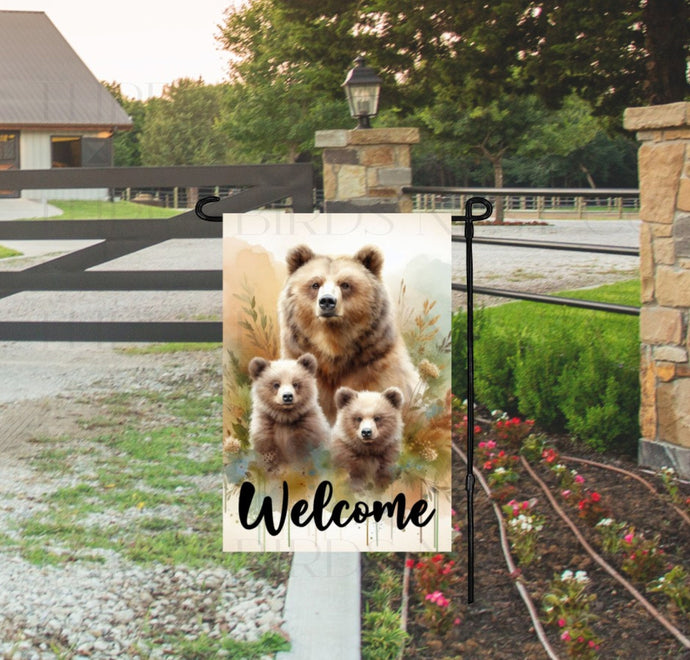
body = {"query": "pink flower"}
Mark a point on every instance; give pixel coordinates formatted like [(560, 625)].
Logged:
[(628, 538), (491, 444), (438, 598), (456, 621), (561, 623), (565, 636), (566, 493), (579, 479), (591, 644)]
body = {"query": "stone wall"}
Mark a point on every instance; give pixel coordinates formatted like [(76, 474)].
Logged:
[(366, 169), (664, 170)]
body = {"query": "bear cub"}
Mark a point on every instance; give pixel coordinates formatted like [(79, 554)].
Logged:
[(287, 425), (367, 436)]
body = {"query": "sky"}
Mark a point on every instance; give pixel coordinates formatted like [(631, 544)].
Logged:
[(142, 44)]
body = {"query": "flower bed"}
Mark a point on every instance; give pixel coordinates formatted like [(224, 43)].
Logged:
[(585, 611)]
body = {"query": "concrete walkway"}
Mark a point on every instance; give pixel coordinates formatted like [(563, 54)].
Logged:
[(25, 209), (322, 606)]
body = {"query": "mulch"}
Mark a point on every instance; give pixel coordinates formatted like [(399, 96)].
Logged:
[(497, 625)]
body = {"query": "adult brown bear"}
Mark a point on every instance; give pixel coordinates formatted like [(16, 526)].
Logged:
[(338, 309)]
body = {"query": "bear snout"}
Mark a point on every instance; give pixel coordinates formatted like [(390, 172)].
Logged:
[(327, 304), (286, 396), (366, 433)]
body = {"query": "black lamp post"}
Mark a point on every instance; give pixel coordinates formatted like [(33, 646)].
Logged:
[(362, 87)]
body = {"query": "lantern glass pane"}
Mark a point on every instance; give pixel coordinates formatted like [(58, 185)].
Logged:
[(363, 100)]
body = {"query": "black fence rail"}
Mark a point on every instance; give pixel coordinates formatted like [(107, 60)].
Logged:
[(259, 186)]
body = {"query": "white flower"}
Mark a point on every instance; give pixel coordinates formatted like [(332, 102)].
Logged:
[(581, 577), (499, 470), (605, 522), (566, 575)]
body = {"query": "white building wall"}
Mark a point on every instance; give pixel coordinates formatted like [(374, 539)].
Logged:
[(34, 154)]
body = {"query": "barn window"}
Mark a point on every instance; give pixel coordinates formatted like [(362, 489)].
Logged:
[(76, 151), (65, 151)]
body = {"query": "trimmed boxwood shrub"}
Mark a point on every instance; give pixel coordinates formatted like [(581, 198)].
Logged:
[(571, 370)]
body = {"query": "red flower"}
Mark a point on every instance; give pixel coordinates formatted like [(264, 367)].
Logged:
[(409, 563), (488, 465), (595, 497)]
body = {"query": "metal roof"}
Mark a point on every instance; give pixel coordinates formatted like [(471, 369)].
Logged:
[(43, 82)]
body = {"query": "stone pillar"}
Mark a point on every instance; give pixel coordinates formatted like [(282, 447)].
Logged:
[(664, 169), (366, 169)]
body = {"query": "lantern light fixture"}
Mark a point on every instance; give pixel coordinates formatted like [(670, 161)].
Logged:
[(362, 87)]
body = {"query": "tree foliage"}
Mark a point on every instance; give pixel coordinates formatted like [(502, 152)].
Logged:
[(509, 91), (126, 151), (181, 126)]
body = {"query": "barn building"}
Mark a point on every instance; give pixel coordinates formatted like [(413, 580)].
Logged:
[(53, 110)]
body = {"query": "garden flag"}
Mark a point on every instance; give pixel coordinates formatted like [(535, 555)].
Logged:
[(337, 382)]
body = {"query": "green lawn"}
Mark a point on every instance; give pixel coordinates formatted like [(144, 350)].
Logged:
[(8, 252), (100, 210)]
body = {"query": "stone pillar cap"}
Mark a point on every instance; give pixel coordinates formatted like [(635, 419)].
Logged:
[(346, 138), (670, 115)]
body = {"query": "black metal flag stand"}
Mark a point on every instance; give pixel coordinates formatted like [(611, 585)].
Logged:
[(469, 219)]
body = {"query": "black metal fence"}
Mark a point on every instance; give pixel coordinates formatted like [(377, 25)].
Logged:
[(258, 185), (598, 199)]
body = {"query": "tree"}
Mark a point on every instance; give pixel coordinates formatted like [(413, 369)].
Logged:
[(126, 150), (614, 54), (492, 130), (181, 126), (279, 95)]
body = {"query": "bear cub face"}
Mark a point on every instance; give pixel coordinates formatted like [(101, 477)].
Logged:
[(287, 425), (367, 436), (284, 389)]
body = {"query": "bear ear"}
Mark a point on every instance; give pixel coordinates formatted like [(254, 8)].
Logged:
[(257, 366), (343, 396), (308, 361), (371, 258), (297, 257), (395, 397)]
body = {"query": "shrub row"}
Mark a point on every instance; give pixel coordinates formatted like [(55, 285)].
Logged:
[(571, 370)]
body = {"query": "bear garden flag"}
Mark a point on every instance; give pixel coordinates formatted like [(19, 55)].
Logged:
[(337, 382)]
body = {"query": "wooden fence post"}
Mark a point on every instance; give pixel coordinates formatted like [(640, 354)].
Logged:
[(664, 170)]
